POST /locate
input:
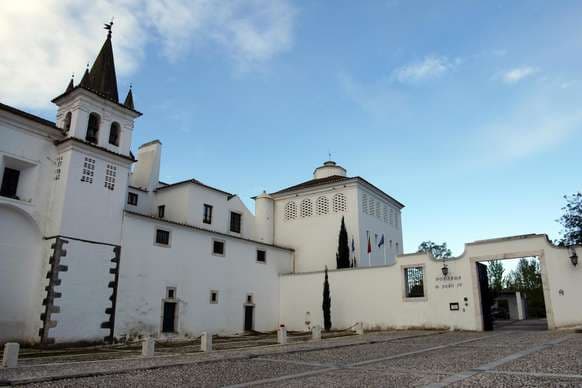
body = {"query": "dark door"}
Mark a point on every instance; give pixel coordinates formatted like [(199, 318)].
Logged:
[(485, 297), (249, 318), (9, 182), (169, 317)]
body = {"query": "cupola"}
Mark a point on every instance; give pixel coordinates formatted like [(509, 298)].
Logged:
[(329, 168)]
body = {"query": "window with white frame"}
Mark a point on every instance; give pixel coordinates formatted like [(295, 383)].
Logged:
[(339, 203), (110, 174), (414, 282), (371, 205), (321, 206), (88, 170), (378, 206), (365, 203), (290, 211), (385, 214), (306, 208), (58, 169)]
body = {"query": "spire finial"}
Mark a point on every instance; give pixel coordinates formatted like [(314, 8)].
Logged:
[(108, 27), (329, 155)]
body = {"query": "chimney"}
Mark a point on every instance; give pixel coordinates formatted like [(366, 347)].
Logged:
[(146, 173)]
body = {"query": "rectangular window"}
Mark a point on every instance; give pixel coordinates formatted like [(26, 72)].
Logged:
[(235, 219), (261, 256), (250, 298), (213, 297), (170, 293), (162, 237), (218, 247), (207, 214), (9, 183), (88, 170), (58, 170), (110, 173), (414, 282), (161, 211), (132, 199)]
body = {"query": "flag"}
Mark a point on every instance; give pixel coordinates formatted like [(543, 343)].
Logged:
[(369, 245), (381, 241), (353, 246)]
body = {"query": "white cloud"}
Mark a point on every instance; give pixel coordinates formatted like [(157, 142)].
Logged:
[(517, 74), (430, 67), (44, 41)]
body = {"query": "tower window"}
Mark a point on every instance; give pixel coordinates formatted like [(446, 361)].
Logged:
[(110, 173), (9, 183), (321, 205), (261, 256), (114, 132), (306, 208), (88, 170), (339, 203), (235, 221), (58, 170), (162, 237), (161, 211), (132, 199), (207, 214), (290, 211), (93, 128), (67, 124)]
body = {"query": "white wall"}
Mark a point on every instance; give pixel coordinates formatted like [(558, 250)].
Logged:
[(315, 238), (188, 265)]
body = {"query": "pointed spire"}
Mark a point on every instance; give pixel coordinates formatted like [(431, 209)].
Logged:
[(102, 78), (85, 80), (71, 84), (129, 99)]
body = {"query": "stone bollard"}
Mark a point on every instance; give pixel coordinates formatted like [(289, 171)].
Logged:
[(206, 342), (316, 333), (282, 335), (148, 347), (10, 359), (359, 328)]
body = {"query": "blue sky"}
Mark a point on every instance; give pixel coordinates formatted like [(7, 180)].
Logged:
[(467, 112)]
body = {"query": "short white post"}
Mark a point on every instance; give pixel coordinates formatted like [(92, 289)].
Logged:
[(10, 358), (282, 335), (359, 329), (520, 306), (206, 342), (316, 333), (148, 347)]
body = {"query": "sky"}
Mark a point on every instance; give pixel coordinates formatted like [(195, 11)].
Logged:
[(468, 112)]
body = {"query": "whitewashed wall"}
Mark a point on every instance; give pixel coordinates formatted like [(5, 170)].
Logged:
[(189, 265), (315, 238)]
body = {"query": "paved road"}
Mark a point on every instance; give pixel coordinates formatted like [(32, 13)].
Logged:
[(494, 359)]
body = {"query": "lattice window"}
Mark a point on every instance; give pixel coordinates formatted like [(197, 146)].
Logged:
[(378, 211), (339, 203), (110, 174), (322, 206), (396, 223), (371, 206), (58, 169), (391, 216), (385, 214), (290, 211), (365, 203), (88, 170), (306, 208)]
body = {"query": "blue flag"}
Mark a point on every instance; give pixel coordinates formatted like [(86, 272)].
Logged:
[(381, 241)]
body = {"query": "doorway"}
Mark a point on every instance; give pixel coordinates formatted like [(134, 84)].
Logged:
[(169, 318), (512, 293), (249, 312)]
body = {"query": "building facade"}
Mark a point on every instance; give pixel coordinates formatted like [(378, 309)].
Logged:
[(94, 247)]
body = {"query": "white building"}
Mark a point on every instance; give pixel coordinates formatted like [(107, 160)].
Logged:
[(93, 246)]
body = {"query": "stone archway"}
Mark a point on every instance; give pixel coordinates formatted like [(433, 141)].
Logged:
[(20, 274)]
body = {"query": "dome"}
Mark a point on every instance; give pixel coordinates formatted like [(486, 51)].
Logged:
[(329, 168)]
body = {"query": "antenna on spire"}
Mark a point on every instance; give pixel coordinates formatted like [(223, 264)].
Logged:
[(108, 27), (329, 155)]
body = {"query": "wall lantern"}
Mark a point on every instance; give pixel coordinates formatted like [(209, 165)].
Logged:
[(573, 256), (445, 270)]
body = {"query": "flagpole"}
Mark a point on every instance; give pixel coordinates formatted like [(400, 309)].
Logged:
[(384, 246)]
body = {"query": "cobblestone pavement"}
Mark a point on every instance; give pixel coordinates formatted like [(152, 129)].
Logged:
[(397, 358)]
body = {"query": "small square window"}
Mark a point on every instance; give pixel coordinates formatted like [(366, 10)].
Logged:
[(161, 211), (162, 237), (261, 256), (235, 221), (414, 282), (218, 247), (213, 296), (132, 199), (170, 293), (207, 214), (250, 298)]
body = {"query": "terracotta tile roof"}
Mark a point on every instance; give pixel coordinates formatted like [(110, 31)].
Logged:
[(195, 182), (29, 116)]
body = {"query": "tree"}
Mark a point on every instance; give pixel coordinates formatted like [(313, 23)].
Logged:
[(326, 305), (439, 252), (343, 250), (527, 279), (495, 272), (571, 220)]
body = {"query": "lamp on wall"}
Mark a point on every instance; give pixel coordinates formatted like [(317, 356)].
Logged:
[(573, 256), (445, 269)]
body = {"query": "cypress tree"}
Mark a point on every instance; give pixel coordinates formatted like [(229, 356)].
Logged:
[(343, 249), (326, 305)]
